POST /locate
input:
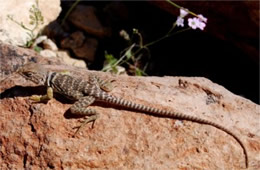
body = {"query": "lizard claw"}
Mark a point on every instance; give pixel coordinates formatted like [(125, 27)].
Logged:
[(83, 123), (36, 98)]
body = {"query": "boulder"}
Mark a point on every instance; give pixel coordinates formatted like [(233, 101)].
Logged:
[(40, 135), (11, 32)]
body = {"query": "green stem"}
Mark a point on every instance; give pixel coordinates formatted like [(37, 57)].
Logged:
[(180, 31), (166, 36), (69, 11), (141, 39), (159, 39), (21, 24), (136, 68), (178, 6), (120, 59), (117, 63), (172, 28), (174, 4), (36, 22)]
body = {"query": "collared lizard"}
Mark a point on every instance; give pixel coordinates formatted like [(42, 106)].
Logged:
[(85, 92)]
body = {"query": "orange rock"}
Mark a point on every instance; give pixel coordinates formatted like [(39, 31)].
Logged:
[(39, 135)]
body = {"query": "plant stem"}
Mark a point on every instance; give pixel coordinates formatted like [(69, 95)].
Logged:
[(69, 11), (166, 36), (159, 39), (178, 6), (120, 59)]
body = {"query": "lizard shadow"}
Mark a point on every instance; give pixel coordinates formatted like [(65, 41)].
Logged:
[(103, 104), (69, 115), (20, 91)]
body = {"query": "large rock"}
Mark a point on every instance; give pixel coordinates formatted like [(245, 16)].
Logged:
[(12, 58), (12, 33), (82, 46), (40, 136), (85, 18)]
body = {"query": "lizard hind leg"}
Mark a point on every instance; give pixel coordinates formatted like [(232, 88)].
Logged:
[(80, 108), (105, 85)]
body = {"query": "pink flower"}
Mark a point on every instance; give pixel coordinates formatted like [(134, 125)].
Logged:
[(201, 25), (202, 18), (195, 23), (183, 12), (180, 21)]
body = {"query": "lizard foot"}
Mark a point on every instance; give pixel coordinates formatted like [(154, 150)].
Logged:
[(107, 85), (36, 98), (91, 118)]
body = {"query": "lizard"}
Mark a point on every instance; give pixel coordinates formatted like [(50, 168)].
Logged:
[(85, 92)]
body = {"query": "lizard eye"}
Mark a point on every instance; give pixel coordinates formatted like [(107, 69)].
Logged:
[(28, 74)]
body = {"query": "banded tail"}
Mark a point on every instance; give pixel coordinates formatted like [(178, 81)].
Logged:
[(103, 96)]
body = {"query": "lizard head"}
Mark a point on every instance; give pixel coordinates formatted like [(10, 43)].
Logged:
[(35, 73)]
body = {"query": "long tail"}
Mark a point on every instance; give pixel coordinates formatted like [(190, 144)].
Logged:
[(169, 114)]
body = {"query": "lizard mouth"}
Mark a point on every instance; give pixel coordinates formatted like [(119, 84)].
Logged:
[(30, 76), (33, 72)]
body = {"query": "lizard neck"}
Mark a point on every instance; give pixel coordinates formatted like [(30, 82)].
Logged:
[(49, 78)]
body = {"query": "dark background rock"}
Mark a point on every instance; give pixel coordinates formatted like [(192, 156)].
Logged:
[(226, 52), (235, 22), (84, 17), (82, 46)]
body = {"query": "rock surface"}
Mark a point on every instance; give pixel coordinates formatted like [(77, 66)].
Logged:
[(40, 136), (50, 50), (11, 32), (11, 58), (65, 58)]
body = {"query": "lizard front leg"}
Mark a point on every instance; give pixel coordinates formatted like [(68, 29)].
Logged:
[(43, 98), (79, 108)]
